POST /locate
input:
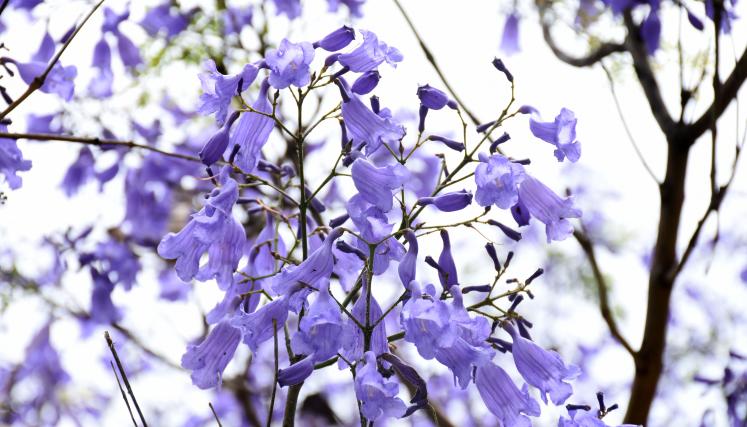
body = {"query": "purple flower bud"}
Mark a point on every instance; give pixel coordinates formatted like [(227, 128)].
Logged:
[(449, 276), (422, 113), (337, 39), (509, 232), (501, 139), (337, 222), (345, 247), (500, 66), (366, 82), (432, 98), (214, 148), (454, 145), (296, 373), (695, 21), (493, 256), (484, 127), (479, 288), (331, 59), (534, 275), (375, 104), (449, 202), (407, 267)]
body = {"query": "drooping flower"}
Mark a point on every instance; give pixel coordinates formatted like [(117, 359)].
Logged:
[(320, 330), (447, 273), (365, 126), (167, 19), (497, 179), (213, 230), (336, 40), (252, 131), (103, 310), (101, 85), (59, 81), (214, 148), (80, 172), (561, 133), (353, 339), (11, 160), (208, 359), (425, 319), (236, 18), (543, 204), (377, 395), (448, 202), (312, 272), (406, 268), (370, 54), (376, 184), (218, 89), (289, 64), (510, 37), (542, 369), (259, 326), (511, 405), (372, 224), (366, 82)]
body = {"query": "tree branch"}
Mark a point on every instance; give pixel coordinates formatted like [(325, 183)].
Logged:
[(604, 305), (591, 58)]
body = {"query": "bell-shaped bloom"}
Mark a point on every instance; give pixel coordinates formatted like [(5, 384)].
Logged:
[(103, 310), (259, 326), (101, 85), (289, 64), (12, 161), (370, 54), (46, 49), (651, 31), (542, 369), (449, 202), (561, 133), (366, 82), (548, 208), (378, 396), (426, 321), (59, 81), (128, 52), (208, 359), (252, 131), (365, 126), (167, 19), (296, 373), (510, 37), (80, 172), (218, 89), (336, 40), (447, 273), (372, 224), (512, 406), (353, 339), (289, 8), (212, 230), (236, 18), (214, 148), (434, 99), (497, 180), (376, 184), (320, 330), (406, 268), (315, 270)]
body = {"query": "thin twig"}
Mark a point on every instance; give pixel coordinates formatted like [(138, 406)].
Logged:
[(110, 343), (215, 414), (124, 396), (275, 380), (38, 81)]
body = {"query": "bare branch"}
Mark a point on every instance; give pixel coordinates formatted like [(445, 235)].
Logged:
[(591, 58), (110, 343)]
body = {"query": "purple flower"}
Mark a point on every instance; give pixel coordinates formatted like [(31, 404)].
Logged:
[(449, 202), (101, 85), (296, 373), (378, 396), (542, 369), (497, 179), (79, 172), (447, 273), (12, 161), (510, 37), (118, 260), (289, 64), (219, 89), (59, 80), (376, 184), (354, 6), (406, 268), (651, 31), (365, 126), (208, 359), (259, 326), (320, 330), (434, 99), (214, 148), (336, 40), (236, 18), (366, 82), (212, 230), (312, 272), (128, 52), (561, 133), (503, 398), (372, 224), (103, 310), (370, 54), (353, 339), (425, 319), (163, 18), (290, 8), (548, 208), (46, 49), (252, 131)]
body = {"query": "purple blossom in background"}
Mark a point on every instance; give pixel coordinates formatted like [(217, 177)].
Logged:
[(59, 81), (167, 19), (289, 8), (548, 208), (101, 85), (376, 184), (43, 123), (80, 172), (46, 49), (208, 359), (289, 64), (219, 89), (497, 180), (103, 310), (561, 133), (510, 37), (236, 18), (118, 262), (128, 52), (353, 5), (542, 369), (12, 161), (511, 405), (651, 30), (377, 395), (370, 54), (213, 230)]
